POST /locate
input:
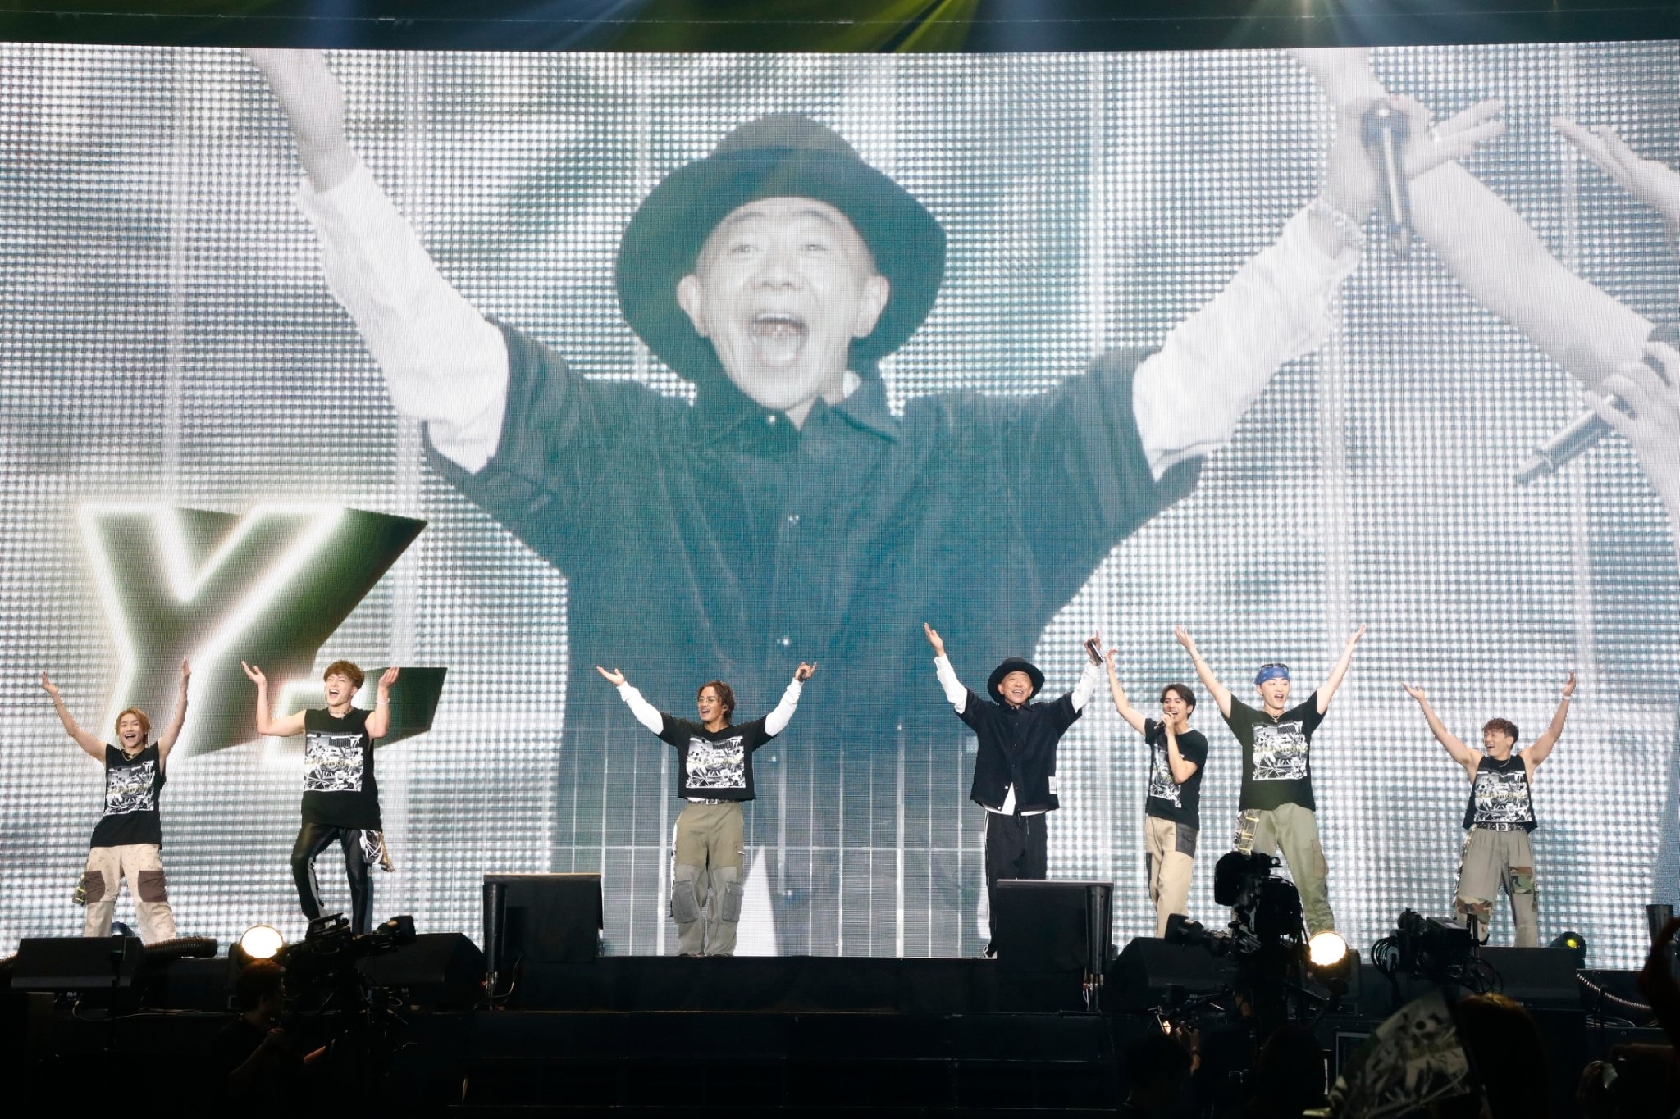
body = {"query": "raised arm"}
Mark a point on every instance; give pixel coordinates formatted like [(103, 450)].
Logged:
[(955, 692), (646, 713), (1277, 307), (1086, 687), (283, 727), (443, 362), (379, 719), (1327, 690), (1221, 694), (776, 722), (1655, 184), (166, 740), (1542, 748), (1498, 258), (1649, 416), (1121, 704), (1461, 753), (94, 747)]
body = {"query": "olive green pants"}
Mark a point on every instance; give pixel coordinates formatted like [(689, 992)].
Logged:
[(1293, 829), (706, 879)]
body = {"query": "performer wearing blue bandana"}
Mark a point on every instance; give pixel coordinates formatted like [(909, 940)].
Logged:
[(1277, 805)]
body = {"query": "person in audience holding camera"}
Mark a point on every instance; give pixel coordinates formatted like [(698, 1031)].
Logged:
[(340, 792), (1172, 808), (1278, 809), (128, 840), (1498, 817)]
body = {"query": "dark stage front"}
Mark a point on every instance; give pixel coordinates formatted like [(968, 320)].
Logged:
[(747, 1035)]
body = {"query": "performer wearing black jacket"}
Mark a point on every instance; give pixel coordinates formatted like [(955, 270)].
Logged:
[(1016, 760)]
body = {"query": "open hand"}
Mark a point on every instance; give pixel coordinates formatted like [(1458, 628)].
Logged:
[(1650, 182), (51, 688), (387, 678), (615, 677), (255, 673), (1415, 692)]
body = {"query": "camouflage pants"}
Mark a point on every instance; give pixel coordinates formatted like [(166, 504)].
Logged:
[(1493, 859)]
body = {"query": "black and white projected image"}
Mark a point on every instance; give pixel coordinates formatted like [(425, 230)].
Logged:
[(1129, 371)]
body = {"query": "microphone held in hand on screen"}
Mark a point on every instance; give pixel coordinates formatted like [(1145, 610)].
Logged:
[(1589, 427), (1384, 129)]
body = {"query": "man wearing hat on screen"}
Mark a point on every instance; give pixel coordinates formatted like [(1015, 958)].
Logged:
[(788, 505), (1015, 758)]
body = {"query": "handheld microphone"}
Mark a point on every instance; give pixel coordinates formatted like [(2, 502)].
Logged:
[(1384, 129), (1587, 429)]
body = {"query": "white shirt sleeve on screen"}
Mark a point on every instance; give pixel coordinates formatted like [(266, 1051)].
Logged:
[(443, 362), (646, 713), (1213, 365), (1087, 686), (776, 722), (954, 689)]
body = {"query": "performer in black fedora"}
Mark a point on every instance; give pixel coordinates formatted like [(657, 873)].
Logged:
[(788, 505), (1015, 763)]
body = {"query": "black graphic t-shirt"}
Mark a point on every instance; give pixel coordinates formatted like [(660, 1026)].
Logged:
[(1167, 799), (1499, 796), (1276, 766), (339, 789), (132, 786), (715, 765)]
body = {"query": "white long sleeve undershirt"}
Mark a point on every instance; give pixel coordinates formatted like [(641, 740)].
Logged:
[(648, 715), (957, 694), (776, 722), (446, 365)]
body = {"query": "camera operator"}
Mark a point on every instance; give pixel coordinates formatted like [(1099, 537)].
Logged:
[(255, 1061)]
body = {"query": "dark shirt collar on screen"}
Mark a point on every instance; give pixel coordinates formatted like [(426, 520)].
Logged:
[(727, 415)]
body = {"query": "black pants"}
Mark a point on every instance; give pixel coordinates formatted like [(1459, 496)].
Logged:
[(1016, 847), (311, 841)]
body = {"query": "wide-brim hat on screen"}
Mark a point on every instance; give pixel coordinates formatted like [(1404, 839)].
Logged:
[(1014, 664), (781, 156)]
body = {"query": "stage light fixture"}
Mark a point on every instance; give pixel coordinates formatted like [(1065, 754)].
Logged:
[(1326, 950), (261, 942), (1574, 942)]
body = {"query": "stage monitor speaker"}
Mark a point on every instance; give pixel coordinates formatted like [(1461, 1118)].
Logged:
[(436, 969), (1151, 973), (1056, 926), (1536, 977), (541, 918), (76, 963)]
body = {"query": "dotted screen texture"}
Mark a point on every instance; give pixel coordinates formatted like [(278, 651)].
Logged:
[(166, 338)]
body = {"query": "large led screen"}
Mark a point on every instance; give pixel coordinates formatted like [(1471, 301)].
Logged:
[(1153, 384)]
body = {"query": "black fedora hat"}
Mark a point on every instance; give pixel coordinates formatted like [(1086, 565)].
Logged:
[(1014, 664), (781, 156)]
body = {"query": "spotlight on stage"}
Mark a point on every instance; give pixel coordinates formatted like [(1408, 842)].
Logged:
[(1574, 942), (1326, 950), (261, 942), (1330, 962)]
